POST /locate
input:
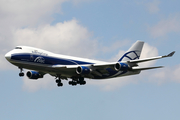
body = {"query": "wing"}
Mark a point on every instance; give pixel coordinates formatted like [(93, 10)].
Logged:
[(153, 58)]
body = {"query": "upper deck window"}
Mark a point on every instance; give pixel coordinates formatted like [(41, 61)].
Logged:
[(18, 48)]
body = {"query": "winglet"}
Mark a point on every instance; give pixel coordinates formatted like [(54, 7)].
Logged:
[(170, 54)]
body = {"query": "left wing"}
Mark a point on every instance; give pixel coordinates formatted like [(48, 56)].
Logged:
[(146, 68), (153, 58)]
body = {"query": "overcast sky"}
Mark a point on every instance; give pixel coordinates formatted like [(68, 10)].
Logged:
[(95, 29)]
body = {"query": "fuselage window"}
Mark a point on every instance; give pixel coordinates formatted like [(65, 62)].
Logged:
[(18, 48)]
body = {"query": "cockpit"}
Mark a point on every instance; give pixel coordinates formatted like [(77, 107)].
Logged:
[(18, 47)]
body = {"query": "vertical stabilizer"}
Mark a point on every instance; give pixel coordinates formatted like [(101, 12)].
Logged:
[(134, 52)]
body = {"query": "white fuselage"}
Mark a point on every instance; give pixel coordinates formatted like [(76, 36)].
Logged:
[(44, 61)]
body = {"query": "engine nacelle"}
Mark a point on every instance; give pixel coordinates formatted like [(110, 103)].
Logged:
[(121, 67), (34, 75), (82, 70)]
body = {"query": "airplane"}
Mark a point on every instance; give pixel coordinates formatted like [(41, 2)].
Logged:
[(62, 67)]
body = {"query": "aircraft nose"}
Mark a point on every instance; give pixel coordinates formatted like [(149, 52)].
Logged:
[(8, 56)]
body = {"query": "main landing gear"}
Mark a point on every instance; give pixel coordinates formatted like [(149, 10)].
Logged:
[(74, 81), (21, 74), (80, 81), (58, 81)]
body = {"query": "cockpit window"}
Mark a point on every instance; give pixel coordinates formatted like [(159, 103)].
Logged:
[(18, 48)]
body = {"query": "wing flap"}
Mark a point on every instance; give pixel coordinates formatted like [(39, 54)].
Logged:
[(96, 73), (104, 65), (65, 66), (146, 68)]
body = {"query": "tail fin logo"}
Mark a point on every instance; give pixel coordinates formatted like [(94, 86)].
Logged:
[(131, 55)]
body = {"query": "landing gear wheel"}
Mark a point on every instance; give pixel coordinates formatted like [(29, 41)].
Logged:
[(59, 84), (58, 81), (70, 82), (21, 74), (82, 82), (73, 83)]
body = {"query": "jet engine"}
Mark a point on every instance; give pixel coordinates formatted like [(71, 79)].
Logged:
[(34, 75), (121, 67), (82, 70)]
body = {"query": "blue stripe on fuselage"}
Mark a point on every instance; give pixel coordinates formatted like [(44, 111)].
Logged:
[(48, 60)]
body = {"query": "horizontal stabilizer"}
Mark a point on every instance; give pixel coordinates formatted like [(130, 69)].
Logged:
[(147, 68)]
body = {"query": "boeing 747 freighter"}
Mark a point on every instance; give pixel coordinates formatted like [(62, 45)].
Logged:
[(41, 62)]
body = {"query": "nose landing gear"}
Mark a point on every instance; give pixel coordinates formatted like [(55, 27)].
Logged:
[(21, 74)]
